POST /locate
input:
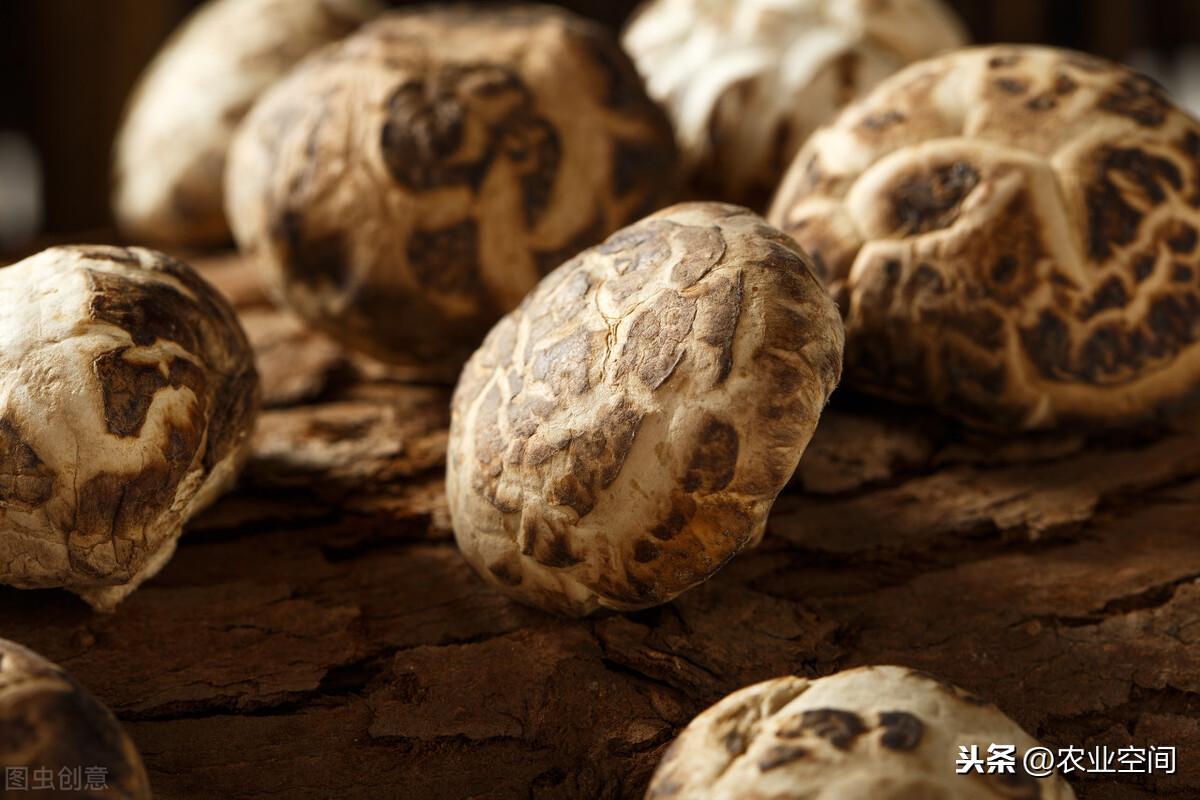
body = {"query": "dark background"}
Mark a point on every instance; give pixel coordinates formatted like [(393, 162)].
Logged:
[(67, 65)]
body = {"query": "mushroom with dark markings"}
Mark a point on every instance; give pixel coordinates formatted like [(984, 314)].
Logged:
[(127, 397), (624, 432), (405, 188), (871, 733), (48, 722), (1015, 264)]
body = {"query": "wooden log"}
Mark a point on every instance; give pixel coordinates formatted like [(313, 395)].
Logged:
[(318, 635)]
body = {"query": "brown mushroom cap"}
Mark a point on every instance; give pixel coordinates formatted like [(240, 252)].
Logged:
[(127, 395), (624, 432), (872, 733), (405, 188), (1011, 233), (746, 81), (170, 151), (51, 722)]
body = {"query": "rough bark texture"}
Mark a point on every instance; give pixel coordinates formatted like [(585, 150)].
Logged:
[(318, 635)]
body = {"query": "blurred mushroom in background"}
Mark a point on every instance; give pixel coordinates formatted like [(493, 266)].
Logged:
[(181, 117), (1178, 72), (20, 191), (746, 81)]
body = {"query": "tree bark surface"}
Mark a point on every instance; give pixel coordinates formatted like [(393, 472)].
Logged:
[(317, 635)]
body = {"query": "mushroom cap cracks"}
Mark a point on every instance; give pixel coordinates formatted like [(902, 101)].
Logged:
[(872, 733), (170, 152), (406, 187), (51, 722), (1011, 233), (746, 82), (624, 432), (127, 397)]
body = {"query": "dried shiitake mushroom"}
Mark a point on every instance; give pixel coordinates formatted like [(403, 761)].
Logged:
[(746, 81), (405, 188), (127, 395), (170, 152), (49, 722), (1011, 233), (872, 733), (624, 432)]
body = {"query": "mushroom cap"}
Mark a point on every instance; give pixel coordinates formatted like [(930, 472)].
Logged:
[(181, 117), (1011, 235), (872, 733), (51, 722), (747, 81), (127, 396), (405, 188), (624, 432)]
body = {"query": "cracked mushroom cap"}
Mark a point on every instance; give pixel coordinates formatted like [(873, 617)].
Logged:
[(49, 721), (180, 120), (747, 81), (127, 395), (1011, 234), (872, 733), (404, 189), (624, 432)]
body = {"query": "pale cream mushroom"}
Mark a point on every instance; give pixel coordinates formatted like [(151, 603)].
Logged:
[(127, 396), (623, 434), (746, 81)]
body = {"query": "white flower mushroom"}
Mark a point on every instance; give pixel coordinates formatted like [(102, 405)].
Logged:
[(624, 432), (405, 188), (872, 733), (746, 81), (180, 120), (127, 395), (1011, 233), (50, 722)]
